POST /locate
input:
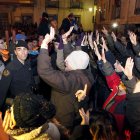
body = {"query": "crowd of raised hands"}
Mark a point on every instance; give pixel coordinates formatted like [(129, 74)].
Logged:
[(99, 45)]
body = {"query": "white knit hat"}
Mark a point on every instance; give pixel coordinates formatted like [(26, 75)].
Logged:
[(78, 60)]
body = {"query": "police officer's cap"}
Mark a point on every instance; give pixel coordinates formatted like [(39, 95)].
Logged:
[(21, 43)]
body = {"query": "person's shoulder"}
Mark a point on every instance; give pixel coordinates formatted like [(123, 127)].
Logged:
[(10, 65), (13, 65), (65, 19)]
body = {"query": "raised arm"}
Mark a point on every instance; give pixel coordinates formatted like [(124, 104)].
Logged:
[(129, 79), (136, 45), (109, 39)]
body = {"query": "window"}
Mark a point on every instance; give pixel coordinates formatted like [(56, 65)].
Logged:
[(52, 3), (27, 18), (75, 4), (103, 12), (116, 9), (3, 22), (137, 7), (95, 2)]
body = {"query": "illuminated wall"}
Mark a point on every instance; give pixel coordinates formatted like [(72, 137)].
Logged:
[(129, 12), (84, 13), (86, 16)]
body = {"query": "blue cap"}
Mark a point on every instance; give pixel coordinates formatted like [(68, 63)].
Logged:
[(20, 37)]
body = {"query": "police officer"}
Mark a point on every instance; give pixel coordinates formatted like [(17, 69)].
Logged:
[(17, 76)]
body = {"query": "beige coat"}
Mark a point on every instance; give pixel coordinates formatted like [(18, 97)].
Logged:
[(45, 132)]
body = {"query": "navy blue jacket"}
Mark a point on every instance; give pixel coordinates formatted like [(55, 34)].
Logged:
[(16, 78)]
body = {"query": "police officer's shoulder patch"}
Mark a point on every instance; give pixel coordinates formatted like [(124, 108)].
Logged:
[(6, 73)]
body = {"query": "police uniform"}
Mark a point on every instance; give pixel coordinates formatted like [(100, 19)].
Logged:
[(16, 78)]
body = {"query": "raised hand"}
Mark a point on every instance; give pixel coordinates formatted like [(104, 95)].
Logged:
[(128, 32), (90, 37), (65, 36), (118, 67), (3, 135), (100, 57), (133, 38), (48, 38), (6, 121), (81, 94), (104, 44), (105, 31), (97, 38), (114, 37), (103, 55), (12, 120), (90, 40), (68, 32), (97, 51), (128, 69), (85, 40), (85, 116), (97, 32)]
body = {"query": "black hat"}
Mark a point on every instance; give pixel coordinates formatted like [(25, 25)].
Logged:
[(21, 43), (32, 110), (71, 15), (44, 14)]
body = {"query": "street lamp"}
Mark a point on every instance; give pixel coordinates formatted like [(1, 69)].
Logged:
[(90, 9), (115, 25)]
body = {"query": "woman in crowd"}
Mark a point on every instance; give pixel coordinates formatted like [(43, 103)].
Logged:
[(29, 118)]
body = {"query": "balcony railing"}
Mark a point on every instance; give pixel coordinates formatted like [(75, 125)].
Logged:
[(18, 2), (52, 3), (76, 4)]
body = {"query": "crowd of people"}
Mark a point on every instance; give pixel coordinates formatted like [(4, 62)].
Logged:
[(69, 84)]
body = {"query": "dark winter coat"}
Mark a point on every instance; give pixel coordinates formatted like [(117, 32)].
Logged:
[(65, 85)]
